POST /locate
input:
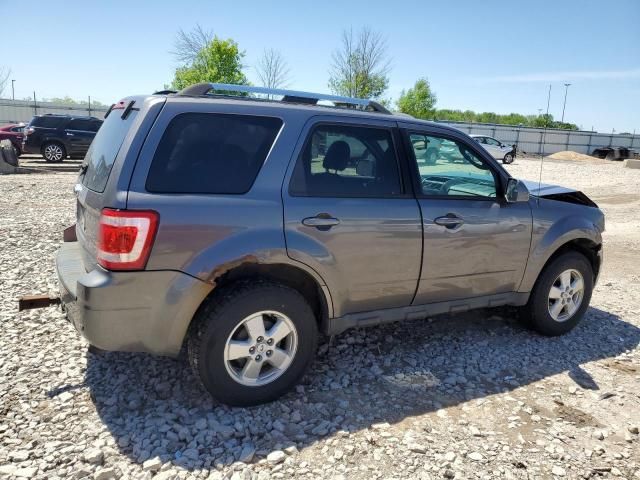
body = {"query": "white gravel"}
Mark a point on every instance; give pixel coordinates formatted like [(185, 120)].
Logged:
[(470, 396)]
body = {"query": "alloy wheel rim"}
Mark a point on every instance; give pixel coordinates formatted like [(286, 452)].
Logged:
[(261, 348), (565, 295), (53, 152)]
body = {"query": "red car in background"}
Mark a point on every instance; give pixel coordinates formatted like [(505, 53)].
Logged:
[(14, 133)]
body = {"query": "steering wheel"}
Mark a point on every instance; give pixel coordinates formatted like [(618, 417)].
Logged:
[(446, 186)]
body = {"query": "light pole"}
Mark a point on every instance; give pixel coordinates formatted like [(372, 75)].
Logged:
[(13, 92), (566, 89)]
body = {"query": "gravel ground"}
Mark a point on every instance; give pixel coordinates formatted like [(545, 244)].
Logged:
[(467, 396)]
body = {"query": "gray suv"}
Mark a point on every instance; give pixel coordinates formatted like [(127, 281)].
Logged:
[(238, 227)]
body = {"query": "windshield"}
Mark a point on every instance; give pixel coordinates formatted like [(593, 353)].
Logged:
[(104, 148)]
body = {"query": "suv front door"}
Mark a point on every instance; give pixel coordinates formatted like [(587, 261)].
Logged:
[(349, 215), (475, 243)]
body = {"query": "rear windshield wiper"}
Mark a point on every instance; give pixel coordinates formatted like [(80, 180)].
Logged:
[(83, 169)]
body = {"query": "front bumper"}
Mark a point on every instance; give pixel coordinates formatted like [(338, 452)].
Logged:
[(600, 260), (145, 311)]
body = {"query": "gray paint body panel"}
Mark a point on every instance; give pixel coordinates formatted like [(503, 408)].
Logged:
[(371, 259)]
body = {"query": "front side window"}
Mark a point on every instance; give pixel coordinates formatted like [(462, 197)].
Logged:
[(493, 141), (449, 168), (347, 161), (211, 153)]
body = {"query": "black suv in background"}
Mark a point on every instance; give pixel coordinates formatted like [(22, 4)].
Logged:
[(57, 136)]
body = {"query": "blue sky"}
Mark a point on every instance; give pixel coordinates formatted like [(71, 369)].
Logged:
[(486, 56)]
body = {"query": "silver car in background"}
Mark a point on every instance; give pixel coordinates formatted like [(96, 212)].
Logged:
[(497, 149)]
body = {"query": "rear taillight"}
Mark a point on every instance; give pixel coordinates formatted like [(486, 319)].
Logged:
[(29, 131), (125, 238)]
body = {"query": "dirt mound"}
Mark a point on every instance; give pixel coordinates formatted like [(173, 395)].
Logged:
[(569, 155)]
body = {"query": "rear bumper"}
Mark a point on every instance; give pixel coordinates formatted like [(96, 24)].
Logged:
[(146, 311), (26, 148)]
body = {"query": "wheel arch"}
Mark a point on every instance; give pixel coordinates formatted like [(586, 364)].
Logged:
[(286, 274), (588, 247), (47, 141)]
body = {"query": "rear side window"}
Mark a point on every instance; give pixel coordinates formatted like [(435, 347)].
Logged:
[(104, 148), (211, 153), (79, 124), (48, 121), (347, 161)]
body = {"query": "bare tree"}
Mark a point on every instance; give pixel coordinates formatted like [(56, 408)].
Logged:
[(272, 69), (187, 45), (360, 67), (5, 73)]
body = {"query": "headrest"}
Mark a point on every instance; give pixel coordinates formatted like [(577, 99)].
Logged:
[(337, 156)]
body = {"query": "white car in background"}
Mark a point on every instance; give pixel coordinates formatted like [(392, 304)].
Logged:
[(497, 149)]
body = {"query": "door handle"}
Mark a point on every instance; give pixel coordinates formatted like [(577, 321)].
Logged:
[(449, 221), (69, 134), (322, 221)]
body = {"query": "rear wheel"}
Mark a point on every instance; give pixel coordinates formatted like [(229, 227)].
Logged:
[(252, 342), (561, 295), (53, 152)]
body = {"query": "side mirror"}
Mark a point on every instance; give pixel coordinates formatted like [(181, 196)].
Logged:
[(516, 191)]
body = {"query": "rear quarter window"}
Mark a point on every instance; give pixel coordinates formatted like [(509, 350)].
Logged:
[(211, 153), (104, 149)]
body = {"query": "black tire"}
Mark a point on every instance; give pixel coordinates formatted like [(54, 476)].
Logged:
[(9, 153), (54, 152), (219, 318), (508, 158), (536, 313)]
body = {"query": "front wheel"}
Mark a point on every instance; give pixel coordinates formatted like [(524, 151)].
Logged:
[(508, 158), (252, 342), (561, 295)]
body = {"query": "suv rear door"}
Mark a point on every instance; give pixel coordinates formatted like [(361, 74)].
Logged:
[(94, 191), (350, 215), (78, 134), (475, 243)]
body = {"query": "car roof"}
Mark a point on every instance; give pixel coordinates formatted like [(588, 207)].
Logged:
[(278, 105), (64, 115)]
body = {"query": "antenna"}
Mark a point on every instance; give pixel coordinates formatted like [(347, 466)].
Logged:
[(544, 135)]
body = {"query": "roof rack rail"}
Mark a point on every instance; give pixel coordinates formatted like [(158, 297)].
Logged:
[(292, 96)]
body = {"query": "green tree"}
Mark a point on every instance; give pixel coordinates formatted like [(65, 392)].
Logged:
[(539, 121), (220, 61), (542, 121), (67, 100), (360, 66), (418, 101)]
